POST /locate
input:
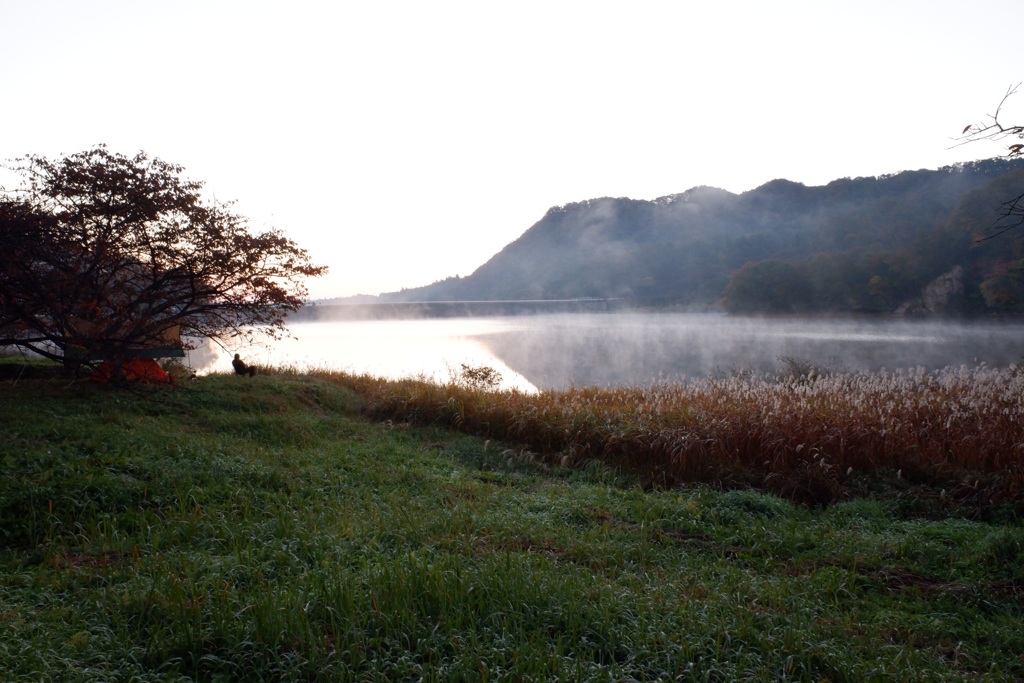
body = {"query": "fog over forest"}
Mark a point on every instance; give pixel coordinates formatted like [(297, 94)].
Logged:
[(860, 246)]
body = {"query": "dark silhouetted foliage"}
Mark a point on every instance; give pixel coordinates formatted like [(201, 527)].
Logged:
[(105, 254)]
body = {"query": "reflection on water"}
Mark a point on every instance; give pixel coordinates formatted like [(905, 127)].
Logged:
[(556, 351), (618, 349), (395, 349)]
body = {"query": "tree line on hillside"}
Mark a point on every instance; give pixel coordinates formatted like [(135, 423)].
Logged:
[(855, 245), (891, 258)]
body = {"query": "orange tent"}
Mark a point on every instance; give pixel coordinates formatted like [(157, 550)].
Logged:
[(133, 370)]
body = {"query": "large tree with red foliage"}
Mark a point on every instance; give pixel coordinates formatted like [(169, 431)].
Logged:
[(103, 254)]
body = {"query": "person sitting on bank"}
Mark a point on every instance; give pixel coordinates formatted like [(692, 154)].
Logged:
[(241, 368)]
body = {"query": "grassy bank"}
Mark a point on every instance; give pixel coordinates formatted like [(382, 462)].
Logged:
[(292, 527), (951, 438)]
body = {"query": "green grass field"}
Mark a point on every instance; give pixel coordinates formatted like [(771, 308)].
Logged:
[(323, 527)]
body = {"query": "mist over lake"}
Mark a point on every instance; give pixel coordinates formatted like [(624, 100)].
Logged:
[(556, 351)]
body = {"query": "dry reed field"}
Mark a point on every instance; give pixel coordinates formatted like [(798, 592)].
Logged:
[(812, 438)]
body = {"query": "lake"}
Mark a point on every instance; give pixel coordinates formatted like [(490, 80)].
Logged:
[(554, 351)]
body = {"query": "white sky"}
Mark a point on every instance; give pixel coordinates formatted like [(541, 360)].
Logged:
[(403, 142)]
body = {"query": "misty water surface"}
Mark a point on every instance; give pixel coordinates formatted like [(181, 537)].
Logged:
[(557, 351)]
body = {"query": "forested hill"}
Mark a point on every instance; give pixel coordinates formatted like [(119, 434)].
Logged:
[(853, 245)]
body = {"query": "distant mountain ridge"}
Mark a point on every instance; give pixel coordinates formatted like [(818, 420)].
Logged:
[(860, 244)]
